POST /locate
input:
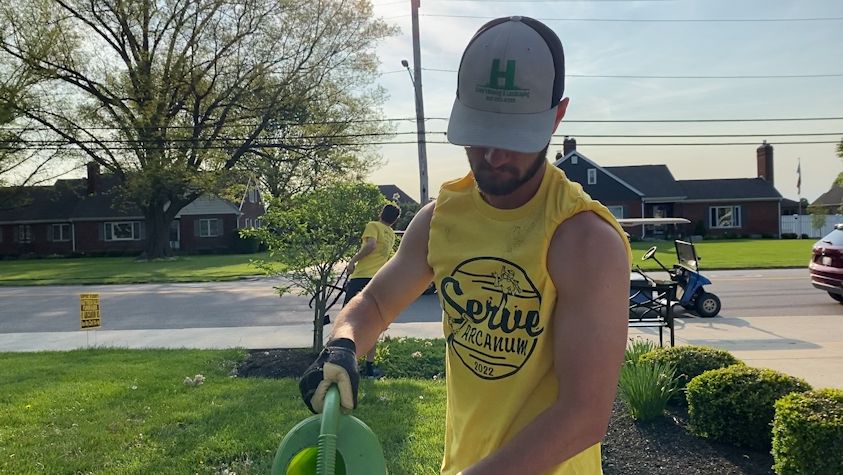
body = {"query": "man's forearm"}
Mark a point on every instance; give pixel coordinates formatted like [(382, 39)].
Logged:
[(557, 434), (361, 321)]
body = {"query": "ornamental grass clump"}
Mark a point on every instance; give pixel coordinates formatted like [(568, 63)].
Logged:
[(645, 388), (636, 349)]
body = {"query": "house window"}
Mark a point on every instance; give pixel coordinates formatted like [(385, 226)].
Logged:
[(209, 227), (592, 176), (122, 231), (24, 233), (60, 232), (258, 223), (248, 223), (725, 216), (253, 195), (574, 159), (617, 211)]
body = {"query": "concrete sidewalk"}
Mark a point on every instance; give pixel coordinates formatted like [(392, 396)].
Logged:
[(810, 347)]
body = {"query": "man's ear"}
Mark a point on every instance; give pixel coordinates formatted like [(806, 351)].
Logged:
[(560, 112)]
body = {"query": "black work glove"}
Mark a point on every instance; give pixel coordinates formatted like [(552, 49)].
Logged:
[(336, 364)]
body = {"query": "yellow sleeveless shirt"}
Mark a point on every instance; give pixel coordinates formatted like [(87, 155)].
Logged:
[(384, 238), (490, 269)]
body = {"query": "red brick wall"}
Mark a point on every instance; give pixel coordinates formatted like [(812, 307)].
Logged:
[(757, 217), (88, 240), (191, 242), (252, 211)]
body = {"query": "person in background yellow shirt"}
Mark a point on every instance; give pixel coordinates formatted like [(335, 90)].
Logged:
[(531, 273), (378, 242)]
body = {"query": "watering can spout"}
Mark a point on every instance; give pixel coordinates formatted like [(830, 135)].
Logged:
[(330, 443)]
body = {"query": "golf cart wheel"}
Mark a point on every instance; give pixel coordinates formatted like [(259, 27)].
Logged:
[(837, 297), (708, 305)]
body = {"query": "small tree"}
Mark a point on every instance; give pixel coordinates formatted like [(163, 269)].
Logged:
[(818, 214), (311, 234)]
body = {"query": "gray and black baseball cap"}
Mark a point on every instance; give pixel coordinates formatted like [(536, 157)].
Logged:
[(510, 82)]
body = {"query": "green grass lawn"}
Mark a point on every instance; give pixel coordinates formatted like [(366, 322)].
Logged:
[(733, 254), (126, 270), (736, 254), (116, 411)]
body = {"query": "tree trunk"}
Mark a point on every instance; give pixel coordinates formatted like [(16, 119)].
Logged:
[(319, 310), (158, 232), (318, 328)]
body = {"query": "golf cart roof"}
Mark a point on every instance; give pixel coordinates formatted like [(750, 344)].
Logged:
[(654, 221)]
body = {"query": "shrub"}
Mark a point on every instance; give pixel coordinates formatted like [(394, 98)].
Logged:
[(411, 358), (736, 404), (690, 362), (808, 433), (645, 388), (636, 348)]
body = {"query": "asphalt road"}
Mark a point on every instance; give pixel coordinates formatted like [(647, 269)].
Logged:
[(745, 294)]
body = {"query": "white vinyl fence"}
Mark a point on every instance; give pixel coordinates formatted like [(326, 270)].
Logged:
[(802, 224)]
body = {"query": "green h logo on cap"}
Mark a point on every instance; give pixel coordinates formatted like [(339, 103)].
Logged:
[(508, 75)]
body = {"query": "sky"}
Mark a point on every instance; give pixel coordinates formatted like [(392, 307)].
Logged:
[(643, 48)]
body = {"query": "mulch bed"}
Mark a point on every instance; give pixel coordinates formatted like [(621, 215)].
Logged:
[(663, 446)]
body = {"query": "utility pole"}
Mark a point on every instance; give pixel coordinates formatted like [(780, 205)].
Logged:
[(417, 86)]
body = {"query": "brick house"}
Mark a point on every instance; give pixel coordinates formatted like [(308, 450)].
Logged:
[(832, 200), (716, 207), (87, 216)]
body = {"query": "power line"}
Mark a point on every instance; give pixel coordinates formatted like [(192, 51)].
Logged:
[(413, 119), (633, 76), (56, 146), (654, 20)]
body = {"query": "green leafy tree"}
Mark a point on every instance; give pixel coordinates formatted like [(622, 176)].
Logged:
[(408, 211), (331, 148), (170, 96), (839, 180), (310, 234), (18, 164), (818, 214)]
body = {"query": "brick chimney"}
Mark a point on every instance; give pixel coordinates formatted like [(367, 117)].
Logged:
[(93, 180), (568, 146), (764, 154)]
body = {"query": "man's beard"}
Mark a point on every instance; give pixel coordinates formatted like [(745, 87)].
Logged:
[(494, 187)]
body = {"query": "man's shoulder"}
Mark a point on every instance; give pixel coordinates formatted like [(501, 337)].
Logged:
[(586, 234)]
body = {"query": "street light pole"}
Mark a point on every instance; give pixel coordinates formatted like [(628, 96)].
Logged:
[(417, 86)]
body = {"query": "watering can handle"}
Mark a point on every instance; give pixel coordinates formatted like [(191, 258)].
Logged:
[(326, 458)]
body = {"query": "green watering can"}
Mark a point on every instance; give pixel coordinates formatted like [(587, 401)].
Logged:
[(330, 443)]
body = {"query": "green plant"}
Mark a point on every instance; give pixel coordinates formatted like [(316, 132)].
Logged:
[(411, 358), (808, 433), (645, 388), (310, 234), (636, 348), (690, 362), (736, 404)]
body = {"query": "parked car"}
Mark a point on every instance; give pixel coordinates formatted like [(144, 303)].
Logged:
[(827, 264)]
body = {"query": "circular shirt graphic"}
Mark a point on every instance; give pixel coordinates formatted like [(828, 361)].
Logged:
[(492, 309)]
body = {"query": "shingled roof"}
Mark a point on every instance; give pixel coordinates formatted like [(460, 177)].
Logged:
[(65, 200), (392, 192), (729, 189), (831, 198), (655, 181)]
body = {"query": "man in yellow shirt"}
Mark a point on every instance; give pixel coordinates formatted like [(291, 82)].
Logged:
[(532, 275), (378, 242)]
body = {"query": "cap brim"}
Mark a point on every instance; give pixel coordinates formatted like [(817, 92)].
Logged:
[(526, 133)]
